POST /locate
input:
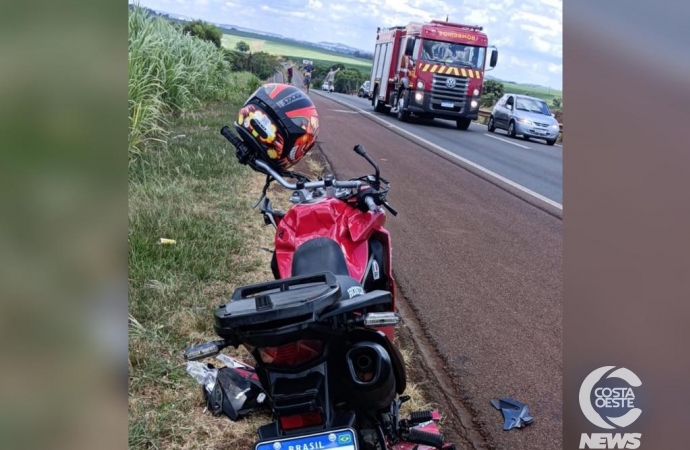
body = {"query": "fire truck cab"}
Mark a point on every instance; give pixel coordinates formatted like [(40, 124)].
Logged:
[(432, 70)]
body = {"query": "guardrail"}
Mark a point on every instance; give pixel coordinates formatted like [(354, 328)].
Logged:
[(485, 113)]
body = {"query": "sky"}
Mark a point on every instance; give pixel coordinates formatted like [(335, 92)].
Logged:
[(527, 33)]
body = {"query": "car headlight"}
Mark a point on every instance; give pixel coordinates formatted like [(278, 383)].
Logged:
[(473, 104), (419, 96), (475, 92), (555, 126), (420, 84), (525, 121)]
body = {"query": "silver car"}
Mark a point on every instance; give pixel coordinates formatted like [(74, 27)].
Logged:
[(527, 116)]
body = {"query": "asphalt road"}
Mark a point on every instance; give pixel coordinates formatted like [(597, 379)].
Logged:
[(480, 267), (532, 164)]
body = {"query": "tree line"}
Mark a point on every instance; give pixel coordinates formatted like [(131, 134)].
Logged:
[(241, 59)]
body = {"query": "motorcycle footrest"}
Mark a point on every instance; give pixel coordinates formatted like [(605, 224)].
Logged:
[(425, 438), (418, 417)]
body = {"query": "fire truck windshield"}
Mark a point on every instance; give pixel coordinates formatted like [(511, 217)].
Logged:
[(453, 54)]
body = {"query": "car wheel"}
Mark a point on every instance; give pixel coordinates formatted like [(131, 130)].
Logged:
[(491, 125), (550, 141), (525, 137), (511, 129)]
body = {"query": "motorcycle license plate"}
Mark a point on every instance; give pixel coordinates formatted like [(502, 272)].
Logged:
[(343, 439), (447, 104)]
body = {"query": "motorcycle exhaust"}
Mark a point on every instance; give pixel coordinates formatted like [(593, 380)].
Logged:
[(371, 375)]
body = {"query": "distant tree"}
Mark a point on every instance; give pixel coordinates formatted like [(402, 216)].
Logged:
[(263, 65), (204, 31), (557, 102), (242, 46), (237, 60), (493, 91), (348, 80)]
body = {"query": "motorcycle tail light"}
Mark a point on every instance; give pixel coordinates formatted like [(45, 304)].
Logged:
[(309, 419), (292, 354)]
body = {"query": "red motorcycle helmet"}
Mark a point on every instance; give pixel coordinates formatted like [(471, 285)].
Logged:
[(279, 124)]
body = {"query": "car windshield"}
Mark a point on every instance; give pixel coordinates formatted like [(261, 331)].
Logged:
[(454, 54), (531, 105)]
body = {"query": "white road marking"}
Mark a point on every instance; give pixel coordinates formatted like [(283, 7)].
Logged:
[(507, 141), (344, 111), (460, 158)]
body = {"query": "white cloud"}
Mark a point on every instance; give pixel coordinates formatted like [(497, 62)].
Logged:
[(555, 68), (550, 23), (540, 44)]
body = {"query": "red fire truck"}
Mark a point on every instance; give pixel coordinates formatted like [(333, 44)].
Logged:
[(432, 70)]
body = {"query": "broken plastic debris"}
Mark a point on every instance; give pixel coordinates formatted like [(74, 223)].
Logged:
[(515, 413), (229, 361), (164, 241), (203, 374)]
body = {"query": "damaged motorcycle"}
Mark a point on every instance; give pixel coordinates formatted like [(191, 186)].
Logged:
[(322, 332)]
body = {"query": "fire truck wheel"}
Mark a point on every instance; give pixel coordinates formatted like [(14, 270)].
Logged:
[(491, 125), (403, 115), (511, 129), (463, 124), (378, 104)]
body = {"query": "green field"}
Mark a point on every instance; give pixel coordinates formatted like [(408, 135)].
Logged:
[(543, 93), (294, 50)]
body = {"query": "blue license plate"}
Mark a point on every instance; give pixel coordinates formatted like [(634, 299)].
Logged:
[(343, 439), (447, 104)]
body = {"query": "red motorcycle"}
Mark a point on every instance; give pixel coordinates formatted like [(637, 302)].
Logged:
[(322, 332)]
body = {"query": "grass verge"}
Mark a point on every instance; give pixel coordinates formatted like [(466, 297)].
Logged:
[(191, 190)]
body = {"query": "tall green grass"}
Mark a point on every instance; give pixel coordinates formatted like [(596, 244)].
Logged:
[(169, 73)]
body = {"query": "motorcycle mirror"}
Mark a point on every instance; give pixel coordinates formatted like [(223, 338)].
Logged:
[(204, 350), (381, 319), (360, 151)]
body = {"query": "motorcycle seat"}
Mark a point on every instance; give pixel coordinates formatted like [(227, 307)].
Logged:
[(318, 255), (323, 254)]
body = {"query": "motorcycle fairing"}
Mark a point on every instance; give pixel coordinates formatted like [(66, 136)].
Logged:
[(331, 218)]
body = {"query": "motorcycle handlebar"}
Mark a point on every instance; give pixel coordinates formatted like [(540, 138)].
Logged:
[(354, 184), (234, 140), (370, 203), (309, 185)]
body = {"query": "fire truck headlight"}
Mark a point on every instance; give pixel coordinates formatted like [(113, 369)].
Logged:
[(420, 84), (473, 104), (475, 92), (419, 97)]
